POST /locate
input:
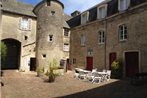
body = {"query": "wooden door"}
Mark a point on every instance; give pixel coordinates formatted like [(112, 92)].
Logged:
[(89, 63), (112, 57), (132, 63), (33, 64)]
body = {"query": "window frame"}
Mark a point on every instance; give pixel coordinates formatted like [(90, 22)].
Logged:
[(127, 2), (65, 30), (101, 37), (85, 20), (66, 47), (23, 21), (49, 38), (99, 16), (83, 40), (123, 32)]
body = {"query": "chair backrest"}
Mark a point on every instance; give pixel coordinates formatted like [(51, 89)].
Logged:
[(94, 70), (109, 72)]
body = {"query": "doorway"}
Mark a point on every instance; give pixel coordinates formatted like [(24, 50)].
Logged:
[(132, 63), (33, 64), (89, 63), (12, 60)]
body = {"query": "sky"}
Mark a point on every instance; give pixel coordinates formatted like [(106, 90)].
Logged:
[(71, 5)]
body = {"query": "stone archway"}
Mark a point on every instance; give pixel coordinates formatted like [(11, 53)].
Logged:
[(13, 54)]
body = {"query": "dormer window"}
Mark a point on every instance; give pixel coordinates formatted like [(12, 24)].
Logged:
[(123, 4), (84, 17), (102, 11)]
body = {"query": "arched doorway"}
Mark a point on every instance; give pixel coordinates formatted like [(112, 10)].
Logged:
[(12, 60)]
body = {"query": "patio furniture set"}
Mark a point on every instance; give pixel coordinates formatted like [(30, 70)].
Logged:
[(93, 76)]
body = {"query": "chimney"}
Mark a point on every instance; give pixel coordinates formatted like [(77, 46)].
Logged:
[(75, 13)]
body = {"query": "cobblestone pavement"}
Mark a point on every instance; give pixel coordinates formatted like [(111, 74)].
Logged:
[(27, 85)]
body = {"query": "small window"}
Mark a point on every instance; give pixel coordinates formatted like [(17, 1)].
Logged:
[(43, 56), (25, 37), (123, 32), (52, 13), (83, 40), (90, 52), (74, 61), (102, 12), (50, 39), (123, 5), (84, 17), (66, 32), (25, 23), (66, 47), (101, 37)]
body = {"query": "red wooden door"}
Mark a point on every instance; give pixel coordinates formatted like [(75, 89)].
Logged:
[(132, 63), (112, 57), (89, 63)]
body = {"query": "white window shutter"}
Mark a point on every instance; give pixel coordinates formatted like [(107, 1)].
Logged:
[(20, 23), (30, 24)]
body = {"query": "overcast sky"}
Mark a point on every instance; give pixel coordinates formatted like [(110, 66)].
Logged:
[(71, 5)]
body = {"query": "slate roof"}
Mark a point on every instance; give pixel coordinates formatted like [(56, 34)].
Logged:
[(111, 10), (18, 8), (25, 9)]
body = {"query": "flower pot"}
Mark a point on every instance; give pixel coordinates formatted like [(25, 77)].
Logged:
[(51, 78)]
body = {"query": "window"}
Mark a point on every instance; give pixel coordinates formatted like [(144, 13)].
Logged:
[(123, 5), (123, 32), (84, 17), (102, 12), (83, 40), (66, 47), (43, 56), (101, 37), (74, 61), (66, 32), (52, 13), (90, 52), (25, 37), (25, 23), (50, 39)]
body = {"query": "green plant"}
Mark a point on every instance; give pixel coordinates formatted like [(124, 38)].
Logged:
[(53, 65), (40, 69), (3, 52), (117, 69)]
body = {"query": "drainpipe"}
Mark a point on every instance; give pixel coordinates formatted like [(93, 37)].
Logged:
[(105, 54)]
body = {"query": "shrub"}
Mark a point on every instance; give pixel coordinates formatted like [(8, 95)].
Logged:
[(117, 70)]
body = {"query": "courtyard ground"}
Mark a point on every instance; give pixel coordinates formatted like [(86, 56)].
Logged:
[(27, 85)]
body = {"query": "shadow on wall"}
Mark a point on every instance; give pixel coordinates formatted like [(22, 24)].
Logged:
[(119, 89)]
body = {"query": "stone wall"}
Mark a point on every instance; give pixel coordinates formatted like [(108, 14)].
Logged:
[(135, 19), (11, 30)]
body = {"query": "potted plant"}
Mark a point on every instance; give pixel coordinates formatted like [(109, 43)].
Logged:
[(52, 67), (40, 70)]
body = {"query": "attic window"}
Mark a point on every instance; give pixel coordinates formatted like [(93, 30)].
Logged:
[(102, 11), (123, 4), (84, 17)]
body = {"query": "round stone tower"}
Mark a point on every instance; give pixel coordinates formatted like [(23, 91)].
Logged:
[(49, 37)]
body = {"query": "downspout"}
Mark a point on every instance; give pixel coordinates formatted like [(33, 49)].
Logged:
[(105, 54)]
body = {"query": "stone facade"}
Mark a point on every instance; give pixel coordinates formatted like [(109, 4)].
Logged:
[(134, 18), (30, 48), (50, 32), (11, 30)]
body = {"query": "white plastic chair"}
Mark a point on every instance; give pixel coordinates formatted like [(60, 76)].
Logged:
[(108, 75), (97, 78)]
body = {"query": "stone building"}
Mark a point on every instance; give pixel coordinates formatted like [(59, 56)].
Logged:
[(111, 30), (19, 34), (52, 33)]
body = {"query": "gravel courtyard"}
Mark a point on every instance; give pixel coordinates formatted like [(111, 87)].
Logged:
[(27, 85)]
